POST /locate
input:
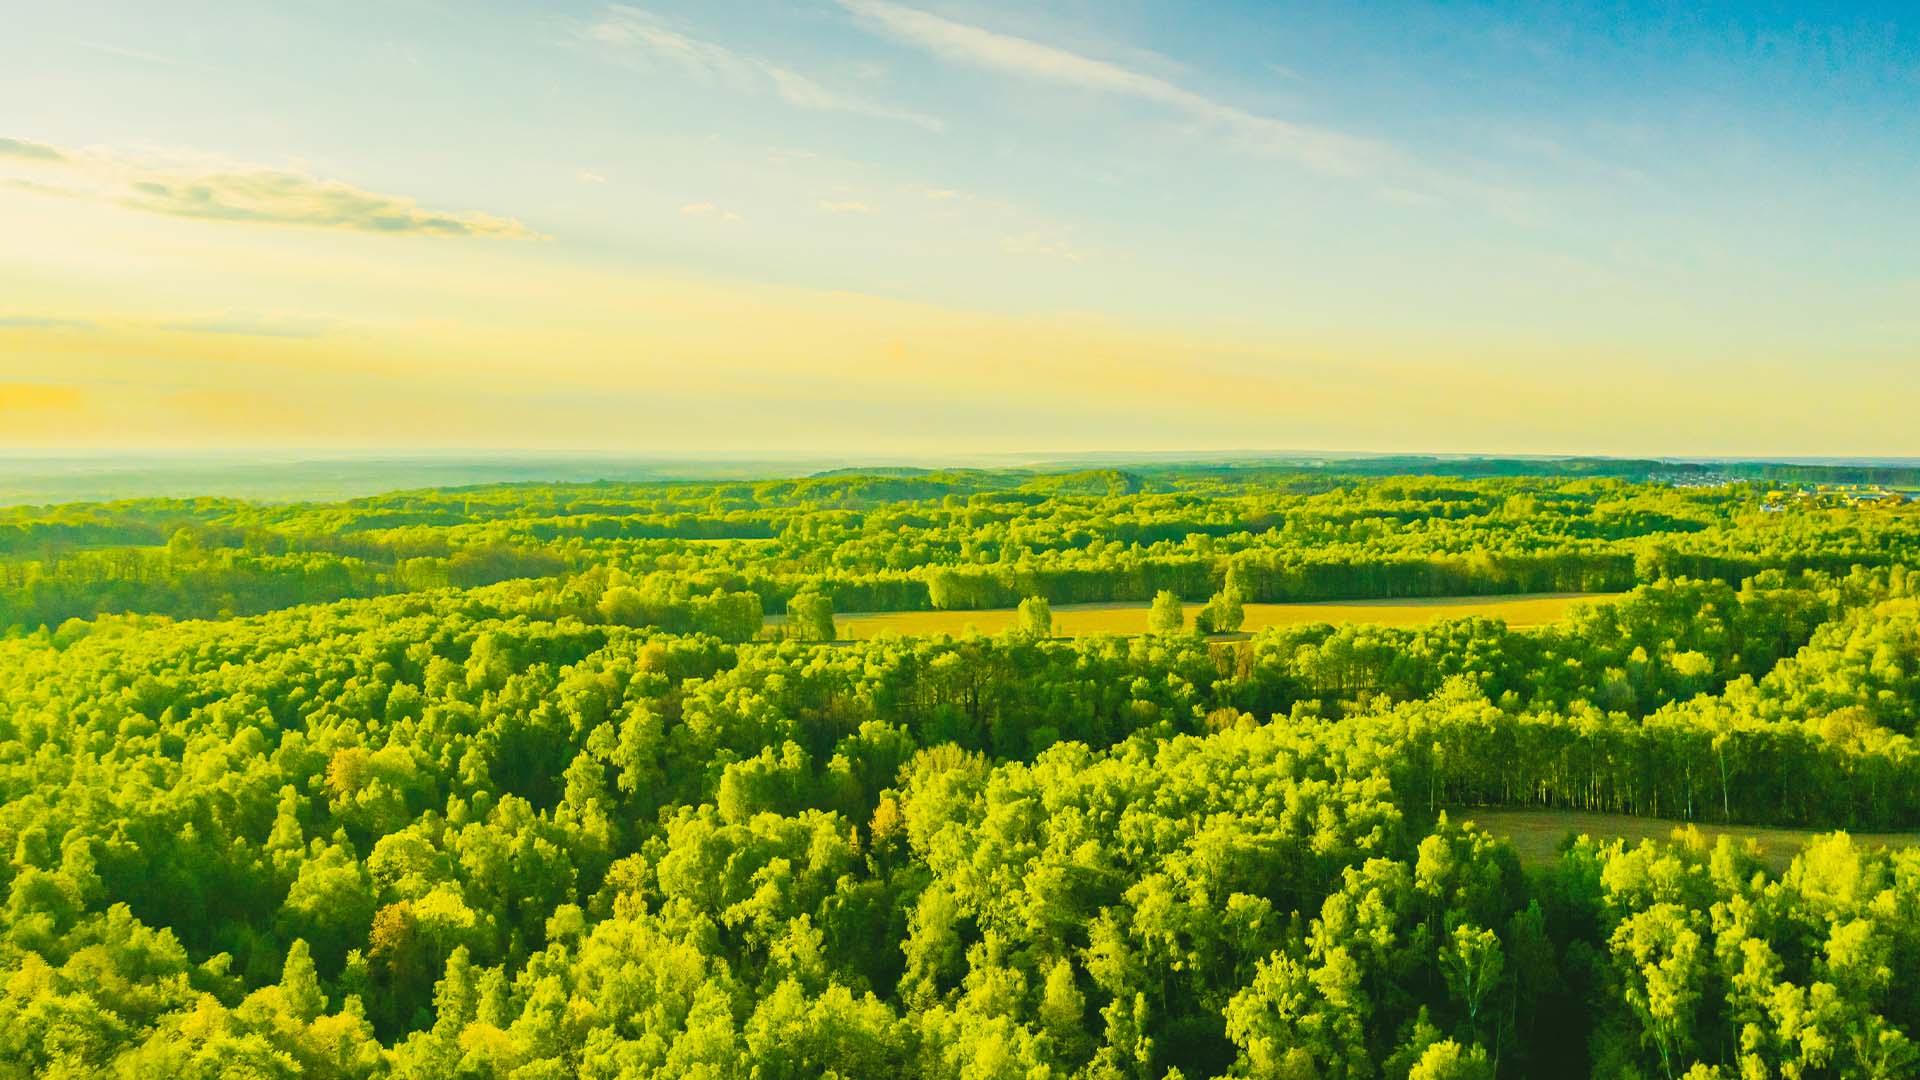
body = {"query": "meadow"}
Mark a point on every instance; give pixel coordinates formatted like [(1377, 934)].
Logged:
[(1082, 620), (1539, 836)]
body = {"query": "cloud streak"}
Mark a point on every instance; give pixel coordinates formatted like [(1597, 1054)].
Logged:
[(709, 210), (639, 32), (1042, 245), (246, 325), (292, 198), (1331, 152), (249, 195), (226, 324), (29, 151)]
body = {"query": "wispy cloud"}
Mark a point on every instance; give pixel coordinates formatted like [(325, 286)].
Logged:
[(247, 194), (845, 206), (637, 31), (127, 52), (42, 322), (802, 92), (632, 27), (1042, 245), (29, 151), (1326, 151), (709, 210), (58, 191), (242, 324), (588, 176), (226, 323), (293, 198)]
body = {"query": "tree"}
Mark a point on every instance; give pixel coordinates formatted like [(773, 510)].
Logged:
[(1062, 1011), (300, 985), (624, 605), (810, 617), (329, 905), (1235, 581), (1447, 1060), (1657, 956), (1224, 614), (1036, 617), (730, 616), (1167, 616), (1472, 966)]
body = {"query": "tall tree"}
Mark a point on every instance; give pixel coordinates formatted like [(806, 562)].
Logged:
[(1167, 616), (1036, 617), (810, 617)]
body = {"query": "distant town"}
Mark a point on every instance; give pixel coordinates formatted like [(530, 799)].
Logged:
[(1829, 496), (1779, 497)]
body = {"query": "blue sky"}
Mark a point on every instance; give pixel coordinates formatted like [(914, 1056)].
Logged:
[(1612, 228)]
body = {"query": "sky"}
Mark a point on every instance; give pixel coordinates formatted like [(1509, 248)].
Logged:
[(867, 227)]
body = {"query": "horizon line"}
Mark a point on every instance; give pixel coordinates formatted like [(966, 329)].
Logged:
[(268, 456)]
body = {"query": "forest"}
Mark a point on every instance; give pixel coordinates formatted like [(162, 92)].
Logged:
[(551, 780)]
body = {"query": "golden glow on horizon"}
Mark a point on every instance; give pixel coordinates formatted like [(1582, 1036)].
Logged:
[(656, 365), (220, 335)]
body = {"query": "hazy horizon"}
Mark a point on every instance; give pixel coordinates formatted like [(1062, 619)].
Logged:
[(44, 477)]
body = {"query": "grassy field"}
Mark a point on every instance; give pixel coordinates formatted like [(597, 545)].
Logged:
[(1079, 620), (1536, 834)]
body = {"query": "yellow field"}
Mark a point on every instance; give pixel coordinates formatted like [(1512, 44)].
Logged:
[(1536, 834), (1080, 620)]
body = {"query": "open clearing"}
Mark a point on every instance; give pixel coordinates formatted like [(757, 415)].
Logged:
[(1081, 620), (1536, 834)]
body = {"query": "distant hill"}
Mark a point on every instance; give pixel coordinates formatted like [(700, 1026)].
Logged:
[(286, 477)]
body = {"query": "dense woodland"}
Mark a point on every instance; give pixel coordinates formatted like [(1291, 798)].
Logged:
[(555, 781)]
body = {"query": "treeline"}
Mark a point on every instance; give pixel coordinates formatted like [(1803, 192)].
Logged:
[(965, 540), (1277, 578), (187, 580)]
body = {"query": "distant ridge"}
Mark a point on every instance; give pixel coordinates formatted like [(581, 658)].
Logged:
[(27, 479)]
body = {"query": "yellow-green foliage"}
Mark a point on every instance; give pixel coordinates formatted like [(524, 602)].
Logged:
[(520, 783)]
